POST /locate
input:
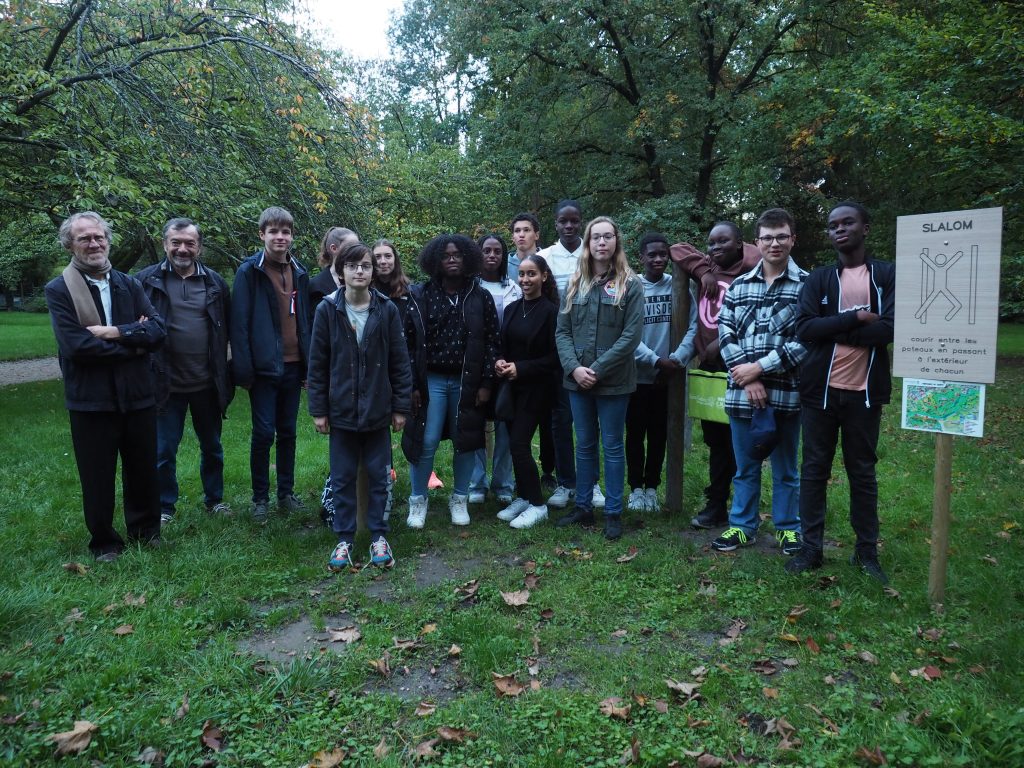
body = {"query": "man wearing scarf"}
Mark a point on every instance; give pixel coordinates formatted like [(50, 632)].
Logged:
[(105, 329)]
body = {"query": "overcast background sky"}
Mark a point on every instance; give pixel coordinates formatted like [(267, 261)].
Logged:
[(358, 26)]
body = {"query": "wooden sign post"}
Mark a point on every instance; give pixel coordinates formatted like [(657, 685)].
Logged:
[(674, 469)]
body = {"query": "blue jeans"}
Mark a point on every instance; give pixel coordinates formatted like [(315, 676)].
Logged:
[(170, 424), (604, 414), (275, 408), (561, 436), (444, 391), (501, 465), (746, 486), (348, 449)]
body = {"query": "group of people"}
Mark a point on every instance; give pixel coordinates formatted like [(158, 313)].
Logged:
[(492, 348)]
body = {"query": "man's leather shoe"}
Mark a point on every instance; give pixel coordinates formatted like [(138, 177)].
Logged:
[(612, 527), (576, 517)]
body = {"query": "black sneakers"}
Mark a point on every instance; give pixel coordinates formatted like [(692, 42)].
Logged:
[(868, 563), (803, 561)]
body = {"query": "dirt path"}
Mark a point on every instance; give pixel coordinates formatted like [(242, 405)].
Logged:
[(24, 371)]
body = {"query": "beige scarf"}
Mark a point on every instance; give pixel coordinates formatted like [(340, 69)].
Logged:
[(78, 287)]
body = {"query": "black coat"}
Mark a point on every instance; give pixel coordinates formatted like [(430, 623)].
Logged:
[(358, 385), (256, 347), (101, 375), (538, 371), (218, 312)]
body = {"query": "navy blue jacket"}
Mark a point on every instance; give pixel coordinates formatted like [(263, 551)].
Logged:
[(218, 310), (820, 326), (358, 385), (256, 348), (101, 375)]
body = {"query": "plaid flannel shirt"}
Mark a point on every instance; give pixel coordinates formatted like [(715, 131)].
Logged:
[(758, 324)]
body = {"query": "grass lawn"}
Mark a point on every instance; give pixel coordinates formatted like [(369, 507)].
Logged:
[(26, 335), (227, 630)]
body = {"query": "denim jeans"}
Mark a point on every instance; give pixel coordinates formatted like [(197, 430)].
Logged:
[(561, 435), (501, 464), (170, 424), (746, 486), (605, 415), (845, 414), (275, 408), (348, 450), (444, 391)]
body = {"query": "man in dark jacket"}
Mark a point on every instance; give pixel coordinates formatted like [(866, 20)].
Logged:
[(270, 324), (192, 367), (105, 329), (845, 318)]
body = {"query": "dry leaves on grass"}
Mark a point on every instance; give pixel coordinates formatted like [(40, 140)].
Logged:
[(425, 749), (782, 727), (151, 756), (76, 568), (349, 634), (929, 673), (74, 741), (870, 756), (426, 709), (454, 650), (381, 666), (516, 599), (427, 629), (531, 580), (613, 707), (507, 685), (133, 600), (770, 693), (456, 735), (685, 691), (547, 614), (825, 719), (124, 629), (382, 749), (765, 667), (631, 554), (468, 590), (183, 709), (632, 753), (732, 634), (619, 633), (795, 613), (867, 657), (75, 615), (327, 758), (404, 645), (212, 736), (576, 553)]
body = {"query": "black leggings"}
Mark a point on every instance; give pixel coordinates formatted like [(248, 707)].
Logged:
[(531, 408)]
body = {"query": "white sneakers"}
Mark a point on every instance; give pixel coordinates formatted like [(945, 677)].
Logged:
[(513, 510), (417, 511), (598, 498), (457, 508), (561, 497), (643, 500), (530, 516), (477, 497)]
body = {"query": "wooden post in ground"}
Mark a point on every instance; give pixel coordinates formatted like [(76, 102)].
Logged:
[(940, 517), (676, 415)]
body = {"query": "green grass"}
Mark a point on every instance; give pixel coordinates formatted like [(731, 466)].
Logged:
[(26, 335), (224, 582), (1011, 339)]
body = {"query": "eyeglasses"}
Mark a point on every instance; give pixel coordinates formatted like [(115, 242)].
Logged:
[(599, 236), (769, 239), (359, 267), (86, 239)]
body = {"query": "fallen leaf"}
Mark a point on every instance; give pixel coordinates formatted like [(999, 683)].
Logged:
[(457, 735), (425, 709), (631, 753), (151, 756), (930, 634), (867, 657), (468, 589), (931, 673), (108, 609), (990, 560), (78, 569), (516, 599), (533, 667), (547, 614), (404, 645), (790, 662), (343, 634), (507, 685), (699, 672), (921, 716), (812, 646), (325, 759), (530, 581), (770, 693), (708, 590), (212, 736), (454, 650), (835, 603), (895, 678), (530, 566), (829, 722), (765, 667), (631, 554), (611, 708), (795, 613), (11, 719), (687, 690), (382, 665), (619, 633), (74, 741), (976, 669), (870, 756), (381, 750), (427, 629), (124, 629), (828, 680), (789, 637), (75, 615), (1004, 535), (535, 641), (425, 749), (661, 706), (130, 599), (183, 709), (890, 592), (535, 685), (709, 761)]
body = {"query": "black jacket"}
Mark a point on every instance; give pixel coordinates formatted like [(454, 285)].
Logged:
[(477, 370), (256, 348), (538, 371), (102, 375), (320, 285), (218, 311), (358, 385), (820, 326)]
